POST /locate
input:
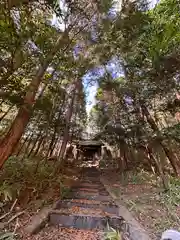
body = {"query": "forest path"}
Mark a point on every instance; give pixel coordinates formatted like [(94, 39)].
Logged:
[(88, 206), (85, 213)]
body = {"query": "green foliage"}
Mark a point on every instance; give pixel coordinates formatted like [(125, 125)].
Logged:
[(112, 234), (7, 236), (139, 177), (19, 176), (6, 191), (65, 191), (172, 197)]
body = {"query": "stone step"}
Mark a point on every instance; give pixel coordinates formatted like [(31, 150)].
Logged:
[(85, 196), (81, 221), (86, 181), (113, 209), (75, 210), (91, 178), (100, 191), (89, 193), (93, 190), (90, 174), (88, 185), (90, 201)]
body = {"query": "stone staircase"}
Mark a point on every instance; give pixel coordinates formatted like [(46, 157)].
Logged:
[(89, 206)]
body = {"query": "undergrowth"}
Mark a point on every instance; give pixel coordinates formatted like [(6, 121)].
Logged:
[(171, 199), (23, 177), (172, 196), (8, 236), (165, 201), (112, 234), (140, 177)]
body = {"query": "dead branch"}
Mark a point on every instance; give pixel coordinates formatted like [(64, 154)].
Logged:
[(4, 224), (11, 209)]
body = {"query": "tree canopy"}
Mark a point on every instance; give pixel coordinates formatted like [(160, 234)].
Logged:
[(48, 47)]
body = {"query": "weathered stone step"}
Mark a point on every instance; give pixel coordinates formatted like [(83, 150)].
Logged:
[(85, 221), (91, 175), (90, 171), (100, 191), (89, 193), (85, 196), (86, 181), (90, 201), (113, 209), (75, 210), (89, 189), (91, 178), (93, 190), (88, 185)]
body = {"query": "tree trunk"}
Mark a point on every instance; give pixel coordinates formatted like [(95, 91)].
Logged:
[(34, 144), (12, 138), (159, 167), (50, 149), (150, 120), (42, 146), (66, 130), (53, 146), (38, 146), (154, 126), (4, 115), (22, 145), (2, 101), (28, 145), (54, 140), (171, 158), (124, 149), (68, 120)]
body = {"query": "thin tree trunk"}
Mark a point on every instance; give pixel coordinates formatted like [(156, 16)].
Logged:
[(66, 130), (43, 144), (28, 145), (38, 146), (154, 126), (68, 120), (22, 145), (171, 158), (53, 146), (10, 141), (5, 114), (34, 144), (2, 101), (50, 149), (151, 161), (52, 143), (159, 167)]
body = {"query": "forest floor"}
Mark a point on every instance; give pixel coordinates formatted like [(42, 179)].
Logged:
[(141, 193)]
